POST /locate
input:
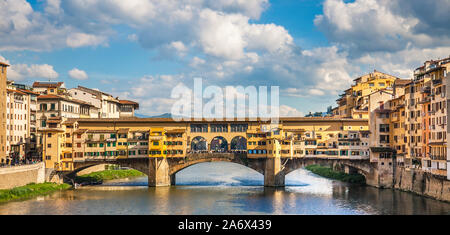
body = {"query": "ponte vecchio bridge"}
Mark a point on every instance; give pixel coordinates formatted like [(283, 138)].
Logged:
[(161, 147)]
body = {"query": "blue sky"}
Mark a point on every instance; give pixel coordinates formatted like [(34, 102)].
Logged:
[(140, 50)]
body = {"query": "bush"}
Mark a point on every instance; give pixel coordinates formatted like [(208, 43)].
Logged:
[(327, 172), (30, 190), (97, 177)]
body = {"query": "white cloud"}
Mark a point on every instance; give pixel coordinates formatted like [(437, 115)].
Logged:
[(20, 72), (23, 28), (78, 74), (287, 111), (81, 39), (383, 25)]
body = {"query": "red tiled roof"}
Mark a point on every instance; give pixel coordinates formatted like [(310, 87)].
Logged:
[(49, 97), (45, 84), (28, 91), (402, 81), (16, 91), (127, 102)]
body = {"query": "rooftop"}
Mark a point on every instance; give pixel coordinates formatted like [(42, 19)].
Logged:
[(4, 64), (168, 120), (48, 84)]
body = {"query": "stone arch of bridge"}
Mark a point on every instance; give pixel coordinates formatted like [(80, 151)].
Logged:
[(290, 165), (256, 166), (140, 165)]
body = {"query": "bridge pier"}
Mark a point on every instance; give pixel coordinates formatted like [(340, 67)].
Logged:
[(273, 173), (173, 180), (158, 172)]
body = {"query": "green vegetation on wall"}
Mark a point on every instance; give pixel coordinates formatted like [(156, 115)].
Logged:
[(330, 173), (30, 190)]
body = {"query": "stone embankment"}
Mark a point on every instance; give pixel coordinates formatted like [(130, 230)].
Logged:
[(16, 176), (422, 183)]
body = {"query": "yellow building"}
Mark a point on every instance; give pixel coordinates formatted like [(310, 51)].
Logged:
[(157, 142), (78, 140), (354, 102)]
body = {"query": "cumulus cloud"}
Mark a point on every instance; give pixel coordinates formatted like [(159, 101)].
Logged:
[(23, 28), (20, 72), (78, 74), (75, 40), (383, 25), (223, 42), (287, 111)]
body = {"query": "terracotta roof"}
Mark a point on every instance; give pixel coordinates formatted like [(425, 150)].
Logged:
[(50, 97), (402, 82), (4, 64), (16, 91), (28, 91), (165, 120), (101, 131), (128, 102), (47, 84)]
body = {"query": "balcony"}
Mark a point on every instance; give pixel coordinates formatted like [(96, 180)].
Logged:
[(437, 82)]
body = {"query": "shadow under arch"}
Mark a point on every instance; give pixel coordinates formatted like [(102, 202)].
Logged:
[(209, 173), (138, 164), (237, 160), (219, 144)]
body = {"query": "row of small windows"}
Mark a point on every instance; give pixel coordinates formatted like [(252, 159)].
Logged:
[(199, 128), (113, 144), (170, 152)]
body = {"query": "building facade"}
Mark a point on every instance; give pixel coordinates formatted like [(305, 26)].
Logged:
[(354, 102), (3, 68), (73, 140)]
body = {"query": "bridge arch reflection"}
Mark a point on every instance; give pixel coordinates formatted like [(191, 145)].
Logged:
[(219, 173)]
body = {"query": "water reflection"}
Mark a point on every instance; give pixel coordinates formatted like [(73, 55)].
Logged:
[(225, 188)]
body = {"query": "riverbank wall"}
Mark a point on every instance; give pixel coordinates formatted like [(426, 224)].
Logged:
[(421, 183), (16, 176)]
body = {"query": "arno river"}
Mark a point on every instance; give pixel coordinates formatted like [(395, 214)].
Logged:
[(226, 188)]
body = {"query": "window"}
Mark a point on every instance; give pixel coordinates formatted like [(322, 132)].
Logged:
[(199, 128), (384, 127), (239, 127), (219, 128)]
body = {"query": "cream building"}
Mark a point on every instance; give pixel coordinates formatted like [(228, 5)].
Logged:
[(3, 68)]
